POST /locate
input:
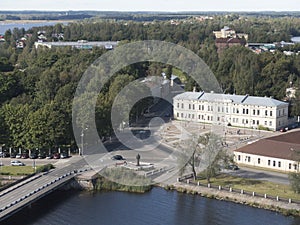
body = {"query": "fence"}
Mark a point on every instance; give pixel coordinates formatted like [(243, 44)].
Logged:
[(187, 179)]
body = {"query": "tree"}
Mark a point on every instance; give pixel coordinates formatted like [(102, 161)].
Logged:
[(295, 182), (202, 153)]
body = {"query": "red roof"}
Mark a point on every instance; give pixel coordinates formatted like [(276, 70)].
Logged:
[(286, 146)]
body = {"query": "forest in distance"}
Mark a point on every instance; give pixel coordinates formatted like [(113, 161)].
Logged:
[(38, 85)]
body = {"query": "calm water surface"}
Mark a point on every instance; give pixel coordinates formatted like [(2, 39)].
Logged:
[(5, 26), (158, 207)]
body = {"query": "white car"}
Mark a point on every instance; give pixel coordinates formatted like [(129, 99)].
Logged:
[(17, 163)]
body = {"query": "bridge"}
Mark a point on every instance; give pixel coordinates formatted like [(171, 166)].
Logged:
[(30, 190)]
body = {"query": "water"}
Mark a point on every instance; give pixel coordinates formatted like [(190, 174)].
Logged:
[(158, 207), (5, 26)]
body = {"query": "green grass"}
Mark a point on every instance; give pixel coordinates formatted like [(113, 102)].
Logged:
[(16, 170), (257, 186)]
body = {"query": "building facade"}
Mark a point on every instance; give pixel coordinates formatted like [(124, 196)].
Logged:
[(235, 110), (277, 153)]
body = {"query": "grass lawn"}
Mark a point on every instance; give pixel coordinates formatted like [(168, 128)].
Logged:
[(16, 170), (257, 186)]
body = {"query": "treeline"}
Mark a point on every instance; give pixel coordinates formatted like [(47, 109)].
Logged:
[(38, 85)]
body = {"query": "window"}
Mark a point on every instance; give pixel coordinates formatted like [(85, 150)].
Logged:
[(199, 107), (189, 106), (202, 107), (177, 114), (193, 116), (177, 104), (279, 111), (208, 108), (226, 109), (283, 112), (274, 163), (247, 111), (258, 160), (295, 166), (243, 111), (249, 158), (193, 106), (269, 162), (266, 112), (258, 112), (253, 112), (233, 110), (182, 105), (237, 111), (271, 113), (290, 166), (270, 123), (199, 117), (239, 157), (181, 115), (279, 164), (257, 122), (253, 122), (266, 123)]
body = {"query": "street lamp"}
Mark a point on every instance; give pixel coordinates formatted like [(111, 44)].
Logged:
[(82, 143)]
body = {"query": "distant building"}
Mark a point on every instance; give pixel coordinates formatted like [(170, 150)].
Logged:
[(81, 44), (227, 32), (222, 43), (279, 153), (236, 110)]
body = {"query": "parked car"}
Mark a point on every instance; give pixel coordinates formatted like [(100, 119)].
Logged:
[(18, 156), (13, 155), (25, 156), (4, 154), (33, 156), (41, 156), (117, 157), (17, 163), (49, 156), (56, 156), (64, 155), (232, 167)]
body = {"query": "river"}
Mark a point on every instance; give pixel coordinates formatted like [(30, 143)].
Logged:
[(157, 207), (26, 25)]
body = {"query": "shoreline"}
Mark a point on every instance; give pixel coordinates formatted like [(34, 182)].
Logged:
[(7, 22), (286, 209)]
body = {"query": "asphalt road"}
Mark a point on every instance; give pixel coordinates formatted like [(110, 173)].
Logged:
[(260, 175)]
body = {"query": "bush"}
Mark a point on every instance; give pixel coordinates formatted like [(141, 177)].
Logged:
[(45, 168), (295, 182)]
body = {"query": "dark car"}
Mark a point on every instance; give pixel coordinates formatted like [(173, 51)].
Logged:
[(232, 167), (64, 155), (117, 157), (24, 156), (41, 156), (33, 156)]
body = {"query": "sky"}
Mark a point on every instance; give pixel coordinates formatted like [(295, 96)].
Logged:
[(152, 5)]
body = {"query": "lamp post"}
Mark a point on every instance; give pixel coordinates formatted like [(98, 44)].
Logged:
[(82, 134)]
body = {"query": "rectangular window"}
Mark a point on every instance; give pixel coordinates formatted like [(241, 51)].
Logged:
[(266, 123), (199, 117), (226, 109), (182, 105), (271, 113), (239, 157), (181, 115), (253, 122), (269, 162), (283, 112), (249, 158), (233, 110), (199, 107), (253, 112), (237, 111), (177, 104), (243, 111), (202, 107), (189, 106), (279, 164), (266, 112), (270, 123), (177, 114), (258, 112), (279, 111), (258, 160), (257, 122), (247, 111), (290, 166), (193, 107), (274, 163), (295, 166)]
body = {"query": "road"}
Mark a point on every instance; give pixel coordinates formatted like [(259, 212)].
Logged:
[(260, 175)]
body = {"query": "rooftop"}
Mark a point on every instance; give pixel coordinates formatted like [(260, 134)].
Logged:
[(238, 99), (283, 146)]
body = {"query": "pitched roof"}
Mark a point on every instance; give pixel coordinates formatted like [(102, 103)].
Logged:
[(238, 99), (282, 146)]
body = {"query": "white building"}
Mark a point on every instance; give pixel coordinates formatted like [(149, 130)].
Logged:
[(236, 110), (277, 153)]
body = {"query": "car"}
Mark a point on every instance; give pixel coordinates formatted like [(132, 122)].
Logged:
[(18, 156), (232, 167), (13, 155), (33, 156), (117, 157), (49, 156), (25, 156), (41, 156), (64, 155), (56, 156), (4, 154), (17, 163)]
